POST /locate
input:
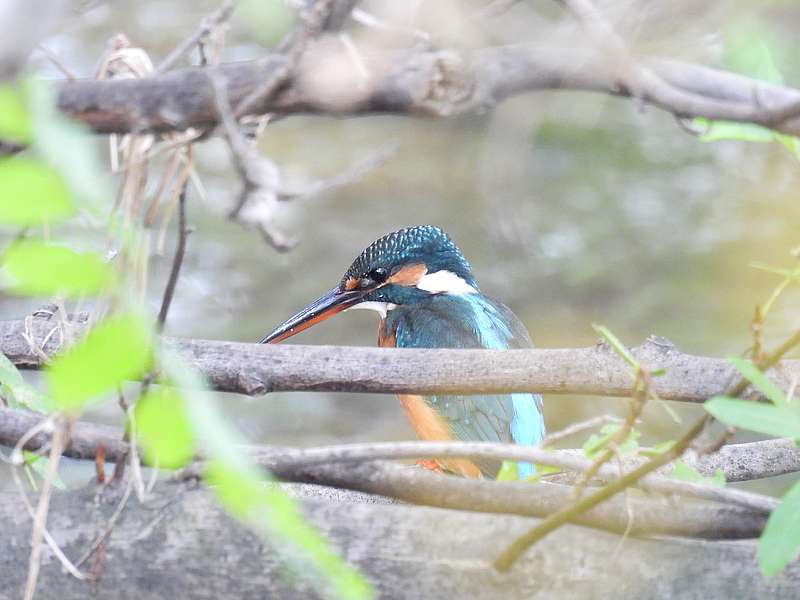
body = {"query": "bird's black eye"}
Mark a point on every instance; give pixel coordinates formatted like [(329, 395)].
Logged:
[(378, 275), (374, 277)]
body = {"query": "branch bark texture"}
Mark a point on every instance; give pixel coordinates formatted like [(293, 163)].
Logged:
[(180, 543), (430, 82), (255, 369)]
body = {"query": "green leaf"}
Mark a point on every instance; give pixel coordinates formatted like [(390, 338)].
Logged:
[(16, 391), (32, 193), (714, 131), (250, 496), (70, 148), (686, 473), (759, 380), (35, 268), (39, 464), (117, 350), (780, 542), (598, 442), (15, 120), (658, 448), (247, 498), (540, 471), (9, 374), (162, 424), (779, 421), (790, 274), (508, 471), (617, 345)]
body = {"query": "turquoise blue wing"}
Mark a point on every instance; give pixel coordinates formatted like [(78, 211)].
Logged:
[(474, 321)]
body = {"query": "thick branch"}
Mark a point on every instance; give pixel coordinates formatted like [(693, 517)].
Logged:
[(181, 541), (258, 369), (422, 487), (423, 82)]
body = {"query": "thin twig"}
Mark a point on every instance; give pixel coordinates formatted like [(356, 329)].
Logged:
[(509, 556), (641, 392), (580, 427), (218, 18), (109, 527), (40, 518), (177, 261)]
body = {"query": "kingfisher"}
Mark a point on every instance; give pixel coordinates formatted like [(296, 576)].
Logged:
[(423, 288)]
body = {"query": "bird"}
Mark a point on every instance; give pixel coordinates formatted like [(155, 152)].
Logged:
[(424, 290)]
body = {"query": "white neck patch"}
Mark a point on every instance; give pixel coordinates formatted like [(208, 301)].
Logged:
[(379, 307), (445, 282)]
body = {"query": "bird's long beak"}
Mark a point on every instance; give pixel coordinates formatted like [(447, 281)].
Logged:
[(331, 303)]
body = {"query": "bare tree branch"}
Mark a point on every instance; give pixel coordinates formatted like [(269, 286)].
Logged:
[(424, 82), (420, 486), (256, 369)]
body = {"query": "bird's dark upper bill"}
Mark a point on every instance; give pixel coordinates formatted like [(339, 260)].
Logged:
[(331, 303)]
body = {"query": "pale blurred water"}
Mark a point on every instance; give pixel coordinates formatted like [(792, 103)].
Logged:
[(572, 209)]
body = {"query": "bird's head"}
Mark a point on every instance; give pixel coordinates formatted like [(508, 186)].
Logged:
[(400, 268)]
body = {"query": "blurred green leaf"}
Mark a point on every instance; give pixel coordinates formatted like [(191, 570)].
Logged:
[(249, 495), (759, 380), (598, 442), (508, 471), (790, 274), (751, 50), (247, 498), (780, 542), (162, 424), (15, 390), (616, 344), (70, 148), (779, 421), (35, 268), (39, 465), (714, 131), (15, 120), (658, 448), (9, 374), (117, 350), (32, 193), (686, 473)]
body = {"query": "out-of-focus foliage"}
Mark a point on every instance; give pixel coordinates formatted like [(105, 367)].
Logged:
[(36, 268), (686, 473), (117, 350), (36, 192), (163, 425), (599, 442), (15, 120), (252, 497), (780, 542), (15, 390), (32, 193), (750, 51)]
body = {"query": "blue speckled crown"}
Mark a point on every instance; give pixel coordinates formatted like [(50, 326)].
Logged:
[(421, 244)]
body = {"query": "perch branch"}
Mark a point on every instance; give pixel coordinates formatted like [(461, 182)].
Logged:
[(256, 369)]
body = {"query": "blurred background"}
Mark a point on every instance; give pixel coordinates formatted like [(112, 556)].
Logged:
[(573, 208)]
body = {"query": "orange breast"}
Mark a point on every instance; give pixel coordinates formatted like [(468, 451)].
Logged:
[(429, 426), (426, 423)]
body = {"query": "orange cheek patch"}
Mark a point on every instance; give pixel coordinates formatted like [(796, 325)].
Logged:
[(351, 283), (408, 276)]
